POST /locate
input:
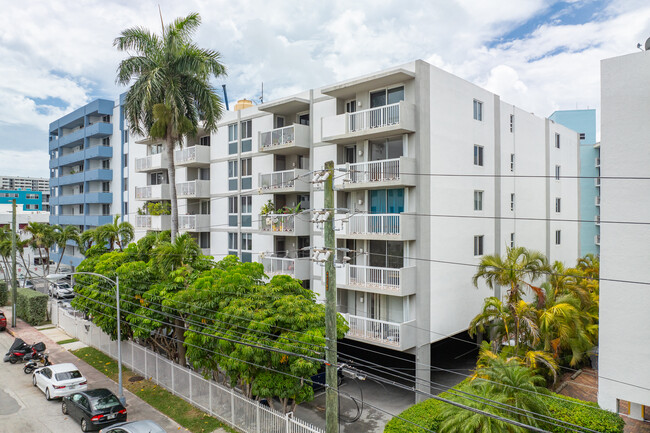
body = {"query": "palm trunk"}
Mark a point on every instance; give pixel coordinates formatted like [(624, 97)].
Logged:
[(60, 258), (171, 174)]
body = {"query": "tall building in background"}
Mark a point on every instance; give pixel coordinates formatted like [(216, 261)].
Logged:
[(426, 182), (584, 123), (88, 173), (11, 183), (624, 327)]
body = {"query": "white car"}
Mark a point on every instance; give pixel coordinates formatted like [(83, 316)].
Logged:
[(59, 380), (61, 290)]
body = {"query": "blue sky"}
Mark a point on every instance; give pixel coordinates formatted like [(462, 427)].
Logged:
[(539, 55)]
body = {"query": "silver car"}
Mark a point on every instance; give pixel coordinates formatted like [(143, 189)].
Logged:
[(145, 426), (61, 290)]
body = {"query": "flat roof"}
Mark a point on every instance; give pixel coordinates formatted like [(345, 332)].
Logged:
[(348, 89), (289, 105)]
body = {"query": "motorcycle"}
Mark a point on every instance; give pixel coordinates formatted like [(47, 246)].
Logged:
[(32, 364), (19, 350)]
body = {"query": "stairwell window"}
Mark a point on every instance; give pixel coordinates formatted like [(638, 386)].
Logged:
[(478, 200), (512, 162), (512, 201), (478, 155), (478, 245), (558, 237), (557, 172), (557, 140), (478, 110), (512, 123), (558, 204), (512, 240)]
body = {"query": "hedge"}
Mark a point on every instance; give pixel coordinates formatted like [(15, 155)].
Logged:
[(31, 306), (586, 414), (4, 294)]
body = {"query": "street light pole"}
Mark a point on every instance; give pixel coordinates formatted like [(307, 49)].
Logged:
[(116, 283)]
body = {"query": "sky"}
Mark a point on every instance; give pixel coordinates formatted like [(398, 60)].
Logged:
[(542, 56)]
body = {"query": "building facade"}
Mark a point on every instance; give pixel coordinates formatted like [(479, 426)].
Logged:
[(624, 326), (584, 123), (12, 183), (88, 172), (26, 200)]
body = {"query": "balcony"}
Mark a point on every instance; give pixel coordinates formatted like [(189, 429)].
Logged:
[(295, 268), (98, 174), (284, 141), (282, 182), (76, 137), (398, 227), (285, 224), (387, 173), (91, 197), (152, 192), (376, 122), (193, 189), (153, 222), (80, 220), (96, 152), (194, 223), (384, 281), (68, 179), (194, 156), (151, 163), (381, 332)]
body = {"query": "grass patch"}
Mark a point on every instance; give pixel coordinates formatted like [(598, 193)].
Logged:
[(69, 340), (174, 407), (45, 329)]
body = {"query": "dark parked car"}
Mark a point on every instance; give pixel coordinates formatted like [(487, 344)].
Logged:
[(319, 380), (28, 284), (3, 321), (94, 408)]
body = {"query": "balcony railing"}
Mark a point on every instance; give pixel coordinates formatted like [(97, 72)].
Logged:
[(193, 155), (151, 162), (296, 268), (371, 276), (152, 192), (373, 330), (283, 180), (197, 223), (193, 189), (153, 222), (375, 224), (284, 224), (374, 118), (286, 137)]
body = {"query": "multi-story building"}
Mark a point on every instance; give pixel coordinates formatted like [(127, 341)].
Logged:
[(624, 326), (88, 172), (26, 200), (10, 183), (584, 122)]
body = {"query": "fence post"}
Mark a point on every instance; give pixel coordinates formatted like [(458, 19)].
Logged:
[(210, 397), (232, 405), (190, 384), (257, 416), (173, 387), (286, 422)]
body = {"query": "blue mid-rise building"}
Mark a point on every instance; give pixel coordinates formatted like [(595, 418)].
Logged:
[(584, 123), (87, 154), (26, 200)]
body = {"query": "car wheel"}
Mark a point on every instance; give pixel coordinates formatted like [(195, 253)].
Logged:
[(84, 424), (47, 394), (34, 380), (64, 408)]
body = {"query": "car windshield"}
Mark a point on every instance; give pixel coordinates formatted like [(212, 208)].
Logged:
[(67, 375), (105, 402), (64, 286)]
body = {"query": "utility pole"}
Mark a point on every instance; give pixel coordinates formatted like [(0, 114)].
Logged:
[(13, 264), (332, 395)]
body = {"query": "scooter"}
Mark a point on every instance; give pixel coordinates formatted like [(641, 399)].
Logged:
[(32, 364)]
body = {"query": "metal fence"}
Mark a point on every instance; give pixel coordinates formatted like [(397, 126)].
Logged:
[(220, 401)]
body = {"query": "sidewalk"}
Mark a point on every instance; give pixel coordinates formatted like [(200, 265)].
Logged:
[(138, 409)]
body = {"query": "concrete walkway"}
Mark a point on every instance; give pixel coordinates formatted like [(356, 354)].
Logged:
[(138, 409)]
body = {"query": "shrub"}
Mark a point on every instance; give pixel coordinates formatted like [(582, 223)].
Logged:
[(31, 306), (4, 294)]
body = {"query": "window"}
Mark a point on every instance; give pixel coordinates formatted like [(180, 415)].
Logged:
[(232, 139), (126, 135), (125, 210), (478, 200), (232, 211), (558, 204), (512, 123), (81, 209), (204, 239), (478, 245), (81, 189), (126, 160), (478, 110), (232, 175), (512, 201), (246, 211), (558, 238), (389, 148), (557, 172), (232, 244), (246, 247), (512, 162), (125, 184), (386, 97), (106, 164), (31, 196), (246, 134), (205, 140), (106, 118), (478, 155), (303, 119), (106, 209), (106, 186), (157, 178), (512, 240), (557, 140), (247, 173), (582, 136), (106, 141), (385, 254)]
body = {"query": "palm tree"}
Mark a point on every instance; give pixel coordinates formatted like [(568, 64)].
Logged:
[(86, 240), (43, 239), (171, 94), (495, 317), (179, 253), (62, 236), (116, 233)]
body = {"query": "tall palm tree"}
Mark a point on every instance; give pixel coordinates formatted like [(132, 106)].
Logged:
[(42, 238), (179, 253), (86, 240), (62, 236), (171, 94), (120, 233)]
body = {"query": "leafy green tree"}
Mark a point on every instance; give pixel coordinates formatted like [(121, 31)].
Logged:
[(170, 93)]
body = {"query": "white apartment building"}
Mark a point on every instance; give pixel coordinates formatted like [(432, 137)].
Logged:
[(433, 172), (624, 346)]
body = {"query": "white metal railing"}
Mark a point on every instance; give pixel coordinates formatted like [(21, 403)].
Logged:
[(385, 224), (374, 171), (373, 277), (186, 154), (277, 180), (375, 330), (143, 192), (374, 117), (187, 222), (279, 265), (278, 136), (225, 403), (149, 162), (143, 221), (277, 222), (192, 188)]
